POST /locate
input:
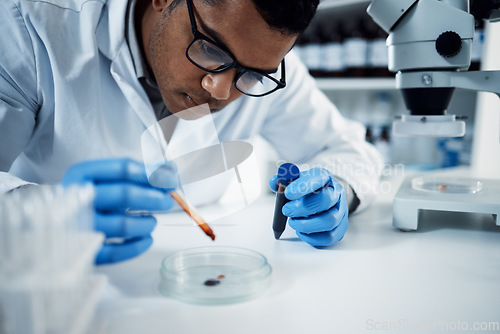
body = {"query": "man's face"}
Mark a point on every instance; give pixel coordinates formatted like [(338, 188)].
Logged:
[(236, 24)]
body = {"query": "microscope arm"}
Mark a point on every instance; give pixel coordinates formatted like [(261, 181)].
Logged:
[(487, 81)]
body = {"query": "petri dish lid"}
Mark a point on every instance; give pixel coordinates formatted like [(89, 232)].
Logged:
[(450, 185), (214, 275)]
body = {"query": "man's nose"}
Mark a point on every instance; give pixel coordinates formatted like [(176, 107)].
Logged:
[(219, 84)]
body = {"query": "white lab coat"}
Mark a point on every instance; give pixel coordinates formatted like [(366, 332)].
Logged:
[(68, 93)]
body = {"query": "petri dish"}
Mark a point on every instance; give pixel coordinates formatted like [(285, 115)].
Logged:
[(214, 275), (447, 185)]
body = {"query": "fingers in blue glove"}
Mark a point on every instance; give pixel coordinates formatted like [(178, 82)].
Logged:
[(107, 170), (119, 197), (314, 203), (325, 228), (164, 176), (116, 252), (323, 239), (116, 170), (122, 226), (317, 208), (273, 183), (325, 221), (309, 182), (122, 185)]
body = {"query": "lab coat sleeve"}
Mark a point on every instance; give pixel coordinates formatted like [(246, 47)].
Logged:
[(306, 128), (18, 91)]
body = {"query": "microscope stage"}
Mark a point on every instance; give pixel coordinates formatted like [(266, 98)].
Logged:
[(443, 193)]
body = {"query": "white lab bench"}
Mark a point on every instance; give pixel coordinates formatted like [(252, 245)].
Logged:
[(442, 278)]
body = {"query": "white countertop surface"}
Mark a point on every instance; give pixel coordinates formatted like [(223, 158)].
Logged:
[(445, 277)]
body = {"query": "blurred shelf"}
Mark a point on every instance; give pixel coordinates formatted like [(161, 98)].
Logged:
[(356, 84)]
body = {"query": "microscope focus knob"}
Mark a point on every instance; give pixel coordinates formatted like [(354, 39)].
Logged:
[(449, 44)]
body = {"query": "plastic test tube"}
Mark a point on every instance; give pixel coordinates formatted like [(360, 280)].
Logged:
[(287, 172)]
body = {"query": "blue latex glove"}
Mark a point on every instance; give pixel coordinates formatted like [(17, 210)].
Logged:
[(317, 209), (121, 185)]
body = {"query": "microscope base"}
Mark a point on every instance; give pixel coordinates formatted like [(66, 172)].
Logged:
[(410, 200)]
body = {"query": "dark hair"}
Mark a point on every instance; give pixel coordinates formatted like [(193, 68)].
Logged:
[(289, 16)]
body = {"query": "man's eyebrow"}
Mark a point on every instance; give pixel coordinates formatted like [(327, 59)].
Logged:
[(218, 38), (212, 34)]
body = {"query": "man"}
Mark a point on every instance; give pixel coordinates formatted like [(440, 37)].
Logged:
[(81, 80)]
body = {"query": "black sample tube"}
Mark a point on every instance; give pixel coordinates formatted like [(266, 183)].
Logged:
[(287, 172)]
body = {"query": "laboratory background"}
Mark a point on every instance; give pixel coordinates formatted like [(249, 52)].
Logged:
[(423, 258)]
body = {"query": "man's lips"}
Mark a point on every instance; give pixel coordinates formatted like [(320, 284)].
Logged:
[(190, 102), (193, 102)]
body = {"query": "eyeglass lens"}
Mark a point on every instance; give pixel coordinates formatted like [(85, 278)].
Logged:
[(212, 58), (209, 56)]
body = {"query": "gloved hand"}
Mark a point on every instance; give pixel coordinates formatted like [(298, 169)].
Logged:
[(121, 185), (317, 209)]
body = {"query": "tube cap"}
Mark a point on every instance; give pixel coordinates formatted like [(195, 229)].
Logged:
[(287, 172)]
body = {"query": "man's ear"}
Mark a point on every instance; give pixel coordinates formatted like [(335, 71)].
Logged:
[(160, 5)]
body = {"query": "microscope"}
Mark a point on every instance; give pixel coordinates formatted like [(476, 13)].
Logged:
[(429, 46)]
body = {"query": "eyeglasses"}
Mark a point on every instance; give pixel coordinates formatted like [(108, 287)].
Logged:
[(212, 57)]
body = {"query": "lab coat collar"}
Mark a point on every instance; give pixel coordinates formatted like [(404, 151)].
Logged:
[(113, 45), (111, 28), (122, 70)]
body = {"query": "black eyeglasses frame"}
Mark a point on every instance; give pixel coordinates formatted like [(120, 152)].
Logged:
[(241, 69)]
